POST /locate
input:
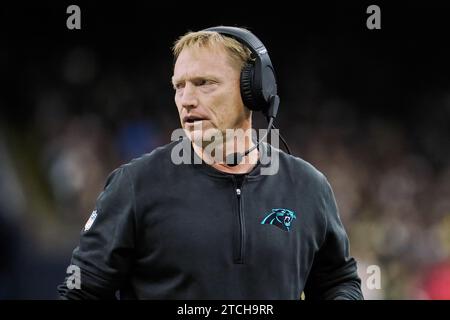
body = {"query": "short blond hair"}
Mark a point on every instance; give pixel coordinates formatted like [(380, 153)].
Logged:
[(238, 53)]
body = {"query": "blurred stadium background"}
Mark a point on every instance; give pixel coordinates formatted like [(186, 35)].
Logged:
[(370, 109)]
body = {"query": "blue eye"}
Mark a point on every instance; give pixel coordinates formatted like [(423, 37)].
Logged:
[(202, 82), (178, 86)]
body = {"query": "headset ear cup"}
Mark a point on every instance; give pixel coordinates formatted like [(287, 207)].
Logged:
[(247, 86)]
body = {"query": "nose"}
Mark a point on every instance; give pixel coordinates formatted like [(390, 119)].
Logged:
[(188, 97)]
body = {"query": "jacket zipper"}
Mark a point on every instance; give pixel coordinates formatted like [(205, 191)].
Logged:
[(241, 241)]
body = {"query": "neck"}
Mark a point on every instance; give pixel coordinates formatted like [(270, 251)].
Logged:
[(215, 155)]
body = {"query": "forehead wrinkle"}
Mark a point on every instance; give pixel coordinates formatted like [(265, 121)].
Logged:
[(209, 61)]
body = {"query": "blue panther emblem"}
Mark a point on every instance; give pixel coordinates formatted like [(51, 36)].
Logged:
[(282, 218)]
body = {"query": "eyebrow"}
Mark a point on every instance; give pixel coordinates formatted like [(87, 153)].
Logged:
[(194, 78)]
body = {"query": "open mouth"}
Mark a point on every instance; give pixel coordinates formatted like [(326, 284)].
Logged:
[(192, 119)]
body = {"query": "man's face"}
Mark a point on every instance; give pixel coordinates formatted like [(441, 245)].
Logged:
[(207, 92)]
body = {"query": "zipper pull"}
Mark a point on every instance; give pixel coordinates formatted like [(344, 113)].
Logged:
[(238, 192)]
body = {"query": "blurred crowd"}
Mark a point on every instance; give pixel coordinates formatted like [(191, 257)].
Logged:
[(88, 116)]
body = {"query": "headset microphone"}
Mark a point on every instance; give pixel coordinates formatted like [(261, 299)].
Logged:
[(234, 159)]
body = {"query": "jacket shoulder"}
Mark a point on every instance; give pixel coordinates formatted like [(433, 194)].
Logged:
[(159, 156), (151, 164), (298, 167)]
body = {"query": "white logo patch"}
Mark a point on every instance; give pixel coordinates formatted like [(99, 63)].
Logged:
[(91, 220)]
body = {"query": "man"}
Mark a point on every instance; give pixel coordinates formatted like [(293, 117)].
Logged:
[(207, 229)]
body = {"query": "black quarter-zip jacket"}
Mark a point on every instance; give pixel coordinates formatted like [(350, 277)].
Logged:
[(189, 231)]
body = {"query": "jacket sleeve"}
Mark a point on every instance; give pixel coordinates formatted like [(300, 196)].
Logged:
[(106, 246), (333, 274)]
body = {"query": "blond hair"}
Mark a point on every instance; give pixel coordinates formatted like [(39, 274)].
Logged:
[(238, 53)]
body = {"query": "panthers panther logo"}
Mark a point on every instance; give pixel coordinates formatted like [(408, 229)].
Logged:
[(282, 218)]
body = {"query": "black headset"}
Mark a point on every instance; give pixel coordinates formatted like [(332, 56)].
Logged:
[(258, 82)]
